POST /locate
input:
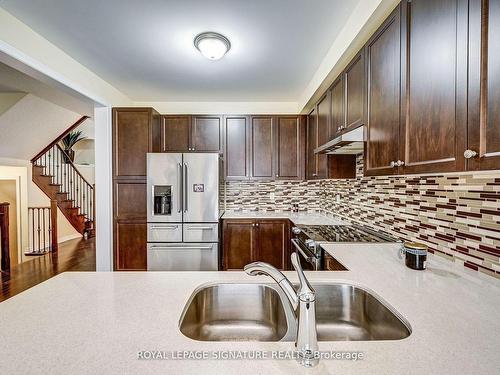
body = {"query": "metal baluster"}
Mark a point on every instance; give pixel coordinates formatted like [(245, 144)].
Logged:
[(50, 229), (38, 226)]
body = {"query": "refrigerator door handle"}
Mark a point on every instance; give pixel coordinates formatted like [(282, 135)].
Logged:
[(185, 186), (179, 186)]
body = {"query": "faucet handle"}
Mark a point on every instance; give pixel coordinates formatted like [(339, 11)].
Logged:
[(306, 291)]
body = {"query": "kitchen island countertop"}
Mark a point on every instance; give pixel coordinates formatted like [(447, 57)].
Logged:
[(95, 323)]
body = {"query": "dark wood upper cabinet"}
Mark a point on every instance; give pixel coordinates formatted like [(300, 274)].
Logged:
[(323, 110), (354, 84), (206, 133), (236, 147), (273, 242), (262, 150), (484, 85), (312, 142), (184, 133), (238, 243), (434, 55), (175, 133), (383, 72), (131, 141), (289, 147), (337, 110)]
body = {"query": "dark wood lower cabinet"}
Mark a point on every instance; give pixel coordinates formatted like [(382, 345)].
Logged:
[(130, 246), (246, 241), (273, 242), (238, 243), (332, 264)]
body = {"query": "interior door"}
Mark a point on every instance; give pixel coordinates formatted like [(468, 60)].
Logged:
[(201, 187), (164, 201)]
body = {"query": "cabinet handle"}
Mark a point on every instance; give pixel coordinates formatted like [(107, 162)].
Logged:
[(277, 175), (392, 164), (257, 224), (314, 174), (253, 225), (400, 163), (468, 154)]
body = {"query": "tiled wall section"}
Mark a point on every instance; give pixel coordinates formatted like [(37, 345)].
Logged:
[(457, 216), (256, 195)]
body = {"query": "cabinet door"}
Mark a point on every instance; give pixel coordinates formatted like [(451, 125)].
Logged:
[(338, 118), (273, 242), (312, 141), (130, 141), (289, 147), (175, 133), (323, 109), (383, 68), (130, 200), (236, 148), (239, 243), (435, 83), (484, 85), (206, 133), (130, 246), (354, 81), (261, 136)]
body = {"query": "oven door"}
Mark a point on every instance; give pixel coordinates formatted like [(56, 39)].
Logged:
[(307, 259)]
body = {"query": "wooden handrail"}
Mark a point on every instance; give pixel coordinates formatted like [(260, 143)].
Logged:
[(61, 136), (4, 237), (68, 161)]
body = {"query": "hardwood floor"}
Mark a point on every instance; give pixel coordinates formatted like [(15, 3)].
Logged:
[(73, 255)]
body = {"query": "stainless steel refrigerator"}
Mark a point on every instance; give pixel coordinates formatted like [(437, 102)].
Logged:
[(183, 211)]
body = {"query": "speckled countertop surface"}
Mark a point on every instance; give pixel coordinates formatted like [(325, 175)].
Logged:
[(95, 323), (304, 218)]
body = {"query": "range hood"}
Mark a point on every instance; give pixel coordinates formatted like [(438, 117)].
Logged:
[(351, 142)]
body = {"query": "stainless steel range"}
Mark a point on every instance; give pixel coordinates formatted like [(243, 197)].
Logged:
[(307, 240)]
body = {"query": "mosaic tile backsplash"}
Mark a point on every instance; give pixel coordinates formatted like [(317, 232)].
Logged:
[(456, 215)]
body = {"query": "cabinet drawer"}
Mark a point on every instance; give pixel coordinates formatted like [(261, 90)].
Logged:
[(164, 232), (201, 232)]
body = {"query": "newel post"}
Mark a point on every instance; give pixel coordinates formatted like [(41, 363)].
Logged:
[(53, 225), (4, 237)]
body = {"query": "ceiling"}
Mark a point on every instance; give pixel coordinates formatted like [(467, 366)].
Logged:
[(145, 48), (12, 80)]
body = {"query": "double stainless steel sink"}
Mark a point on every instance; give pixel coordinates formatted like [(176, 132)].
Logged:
[(261, 312)]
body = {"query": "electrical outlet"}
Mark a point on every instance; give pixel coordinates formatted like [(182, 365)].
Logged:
[(271, 196), (337, 198)]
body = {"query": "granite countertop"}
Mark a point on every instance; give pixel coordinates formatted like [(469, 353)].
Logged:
[(298, 218), (95, 323)]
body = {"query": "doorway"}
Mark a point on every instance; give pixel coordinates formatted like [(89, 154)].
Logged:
[(8, 193)]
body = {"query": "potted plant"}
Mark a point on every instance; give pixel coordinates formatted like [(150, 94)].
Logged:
[(68, 141)]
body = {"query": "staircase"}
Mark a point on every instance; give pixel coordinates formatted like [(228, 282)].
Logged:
[(56, 175)]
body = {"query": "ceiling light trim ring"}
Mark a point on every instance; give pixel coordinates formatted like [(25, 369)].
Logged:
[(211, 35)]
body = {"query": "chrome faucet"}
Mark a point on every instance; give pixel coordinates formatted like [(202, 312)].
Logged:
[(304, 304)]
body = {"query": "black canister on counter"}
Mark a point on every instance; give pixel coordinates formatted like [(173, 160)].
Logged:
[(415, 255)]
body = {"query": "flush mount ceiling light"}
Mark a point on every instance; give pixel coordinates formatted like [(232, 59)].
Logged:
[(212, 45)]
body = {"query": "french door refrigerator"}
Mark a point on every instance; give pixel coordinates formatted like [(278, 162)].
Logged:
[(183, 211)]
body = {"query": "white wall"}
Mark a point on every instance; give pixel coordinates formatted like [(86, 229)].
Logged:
[(30, 125)]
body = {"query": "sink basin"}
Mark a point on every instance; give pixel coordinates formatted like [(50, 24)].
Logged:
[(348, 313), (236, 312), (261, 312)]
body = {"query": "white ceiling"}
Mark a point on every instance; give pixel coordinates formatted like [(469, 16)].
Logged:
[(144, 48)]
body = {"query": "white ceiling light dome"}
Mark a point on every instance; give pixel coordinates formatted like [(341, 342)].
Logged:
[(212, 45)]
